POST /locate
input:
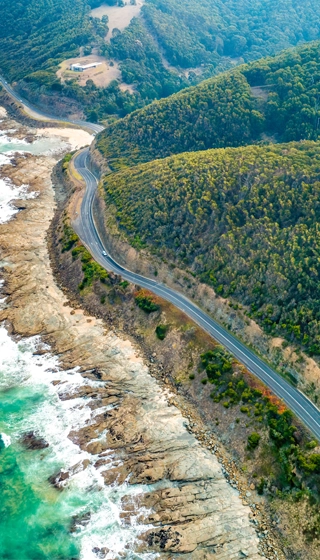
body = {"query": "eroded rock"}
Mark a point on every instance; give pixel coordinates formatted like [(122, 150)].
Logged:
[(31, 440)]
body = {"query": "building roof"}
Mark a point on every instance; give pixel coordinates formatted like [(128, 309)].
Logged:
[(85, 66)]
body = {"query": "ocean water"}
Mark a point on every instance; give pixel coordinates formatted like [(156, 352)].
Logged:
[(38, 521), (41, 146)]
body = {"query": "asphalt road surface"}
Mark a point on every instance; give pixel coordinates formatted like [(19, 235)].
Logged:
[(29, 108), (85, 227)]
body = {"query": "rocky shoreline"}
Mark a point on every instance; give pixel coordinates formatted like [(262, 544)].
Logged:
[(140, 435)]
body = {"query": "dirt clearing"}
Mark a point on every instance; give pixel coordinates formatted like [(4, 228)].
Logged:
[(119, 17)]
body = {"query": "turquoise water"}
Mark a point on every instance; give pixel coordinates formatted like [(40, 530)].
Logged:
[(41, 146), (35, 518)]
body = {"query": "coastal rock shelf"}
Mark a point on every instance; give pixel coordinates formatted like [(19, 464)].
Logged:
[(185, 503)]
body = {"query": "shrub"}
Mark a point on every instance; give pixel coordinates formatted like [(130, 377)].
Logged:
[(146, 302), (69, 238), (247, 395), (91, 270), (281, 428), (309, 464), (65, 161), (204, 381), (191, 376), (244, 409), (103, 275), (260, 486), (253, 440), (161, 331), (311, 444)]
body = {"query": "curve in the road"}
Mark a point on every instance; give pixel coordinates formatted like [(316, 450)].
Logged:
[(87, 231), (93, 127)]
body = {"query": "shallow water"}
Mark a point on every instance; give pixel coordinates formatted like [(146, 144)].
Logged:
[(36, 518), (37, 521), (41, 146)]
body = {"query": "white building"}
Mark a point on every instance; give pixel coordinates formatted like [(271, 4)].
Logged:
[(83, 67)]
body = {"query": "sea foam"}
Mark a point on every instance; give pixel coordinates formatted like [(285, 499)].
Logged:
[(29, 377)]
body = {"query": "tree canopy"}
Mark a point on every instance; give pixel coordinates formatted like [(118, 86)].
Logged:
[(38, 34), (245, 220), (171, 46), (188, 40), (276, 98)]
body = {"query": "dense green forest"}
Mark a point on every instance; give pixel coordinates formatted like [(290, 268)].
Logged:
[(213, 35), (38, 34), (201, 39), (276, 98), (219, 112), (244, 220), (193, 33)]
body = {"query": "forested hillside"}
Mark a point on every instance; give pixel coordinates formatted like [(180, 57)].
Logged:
[(276, 97), (201, 39), (141, 63), (219, 112), (37, 34), (172, 45), (193, 33), (244, 220)]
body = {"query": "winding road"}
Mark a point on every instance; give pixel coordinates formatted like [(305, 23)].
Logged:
[(85, 227), (36, 113), (87, 231)]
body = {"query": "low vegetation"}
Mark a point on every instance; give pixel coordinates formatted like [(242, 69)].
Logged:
[(91, 270), (294, 463), (161, 331), (253, 440), (146, 301)]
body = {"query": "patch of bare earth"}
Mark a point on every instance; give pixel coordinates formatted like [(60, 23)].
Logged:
[(119, 16), (101, 76)]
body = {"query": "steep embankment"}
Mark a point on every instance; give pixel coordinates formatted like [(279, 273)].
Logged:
[(274, 98), (243, 220)]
